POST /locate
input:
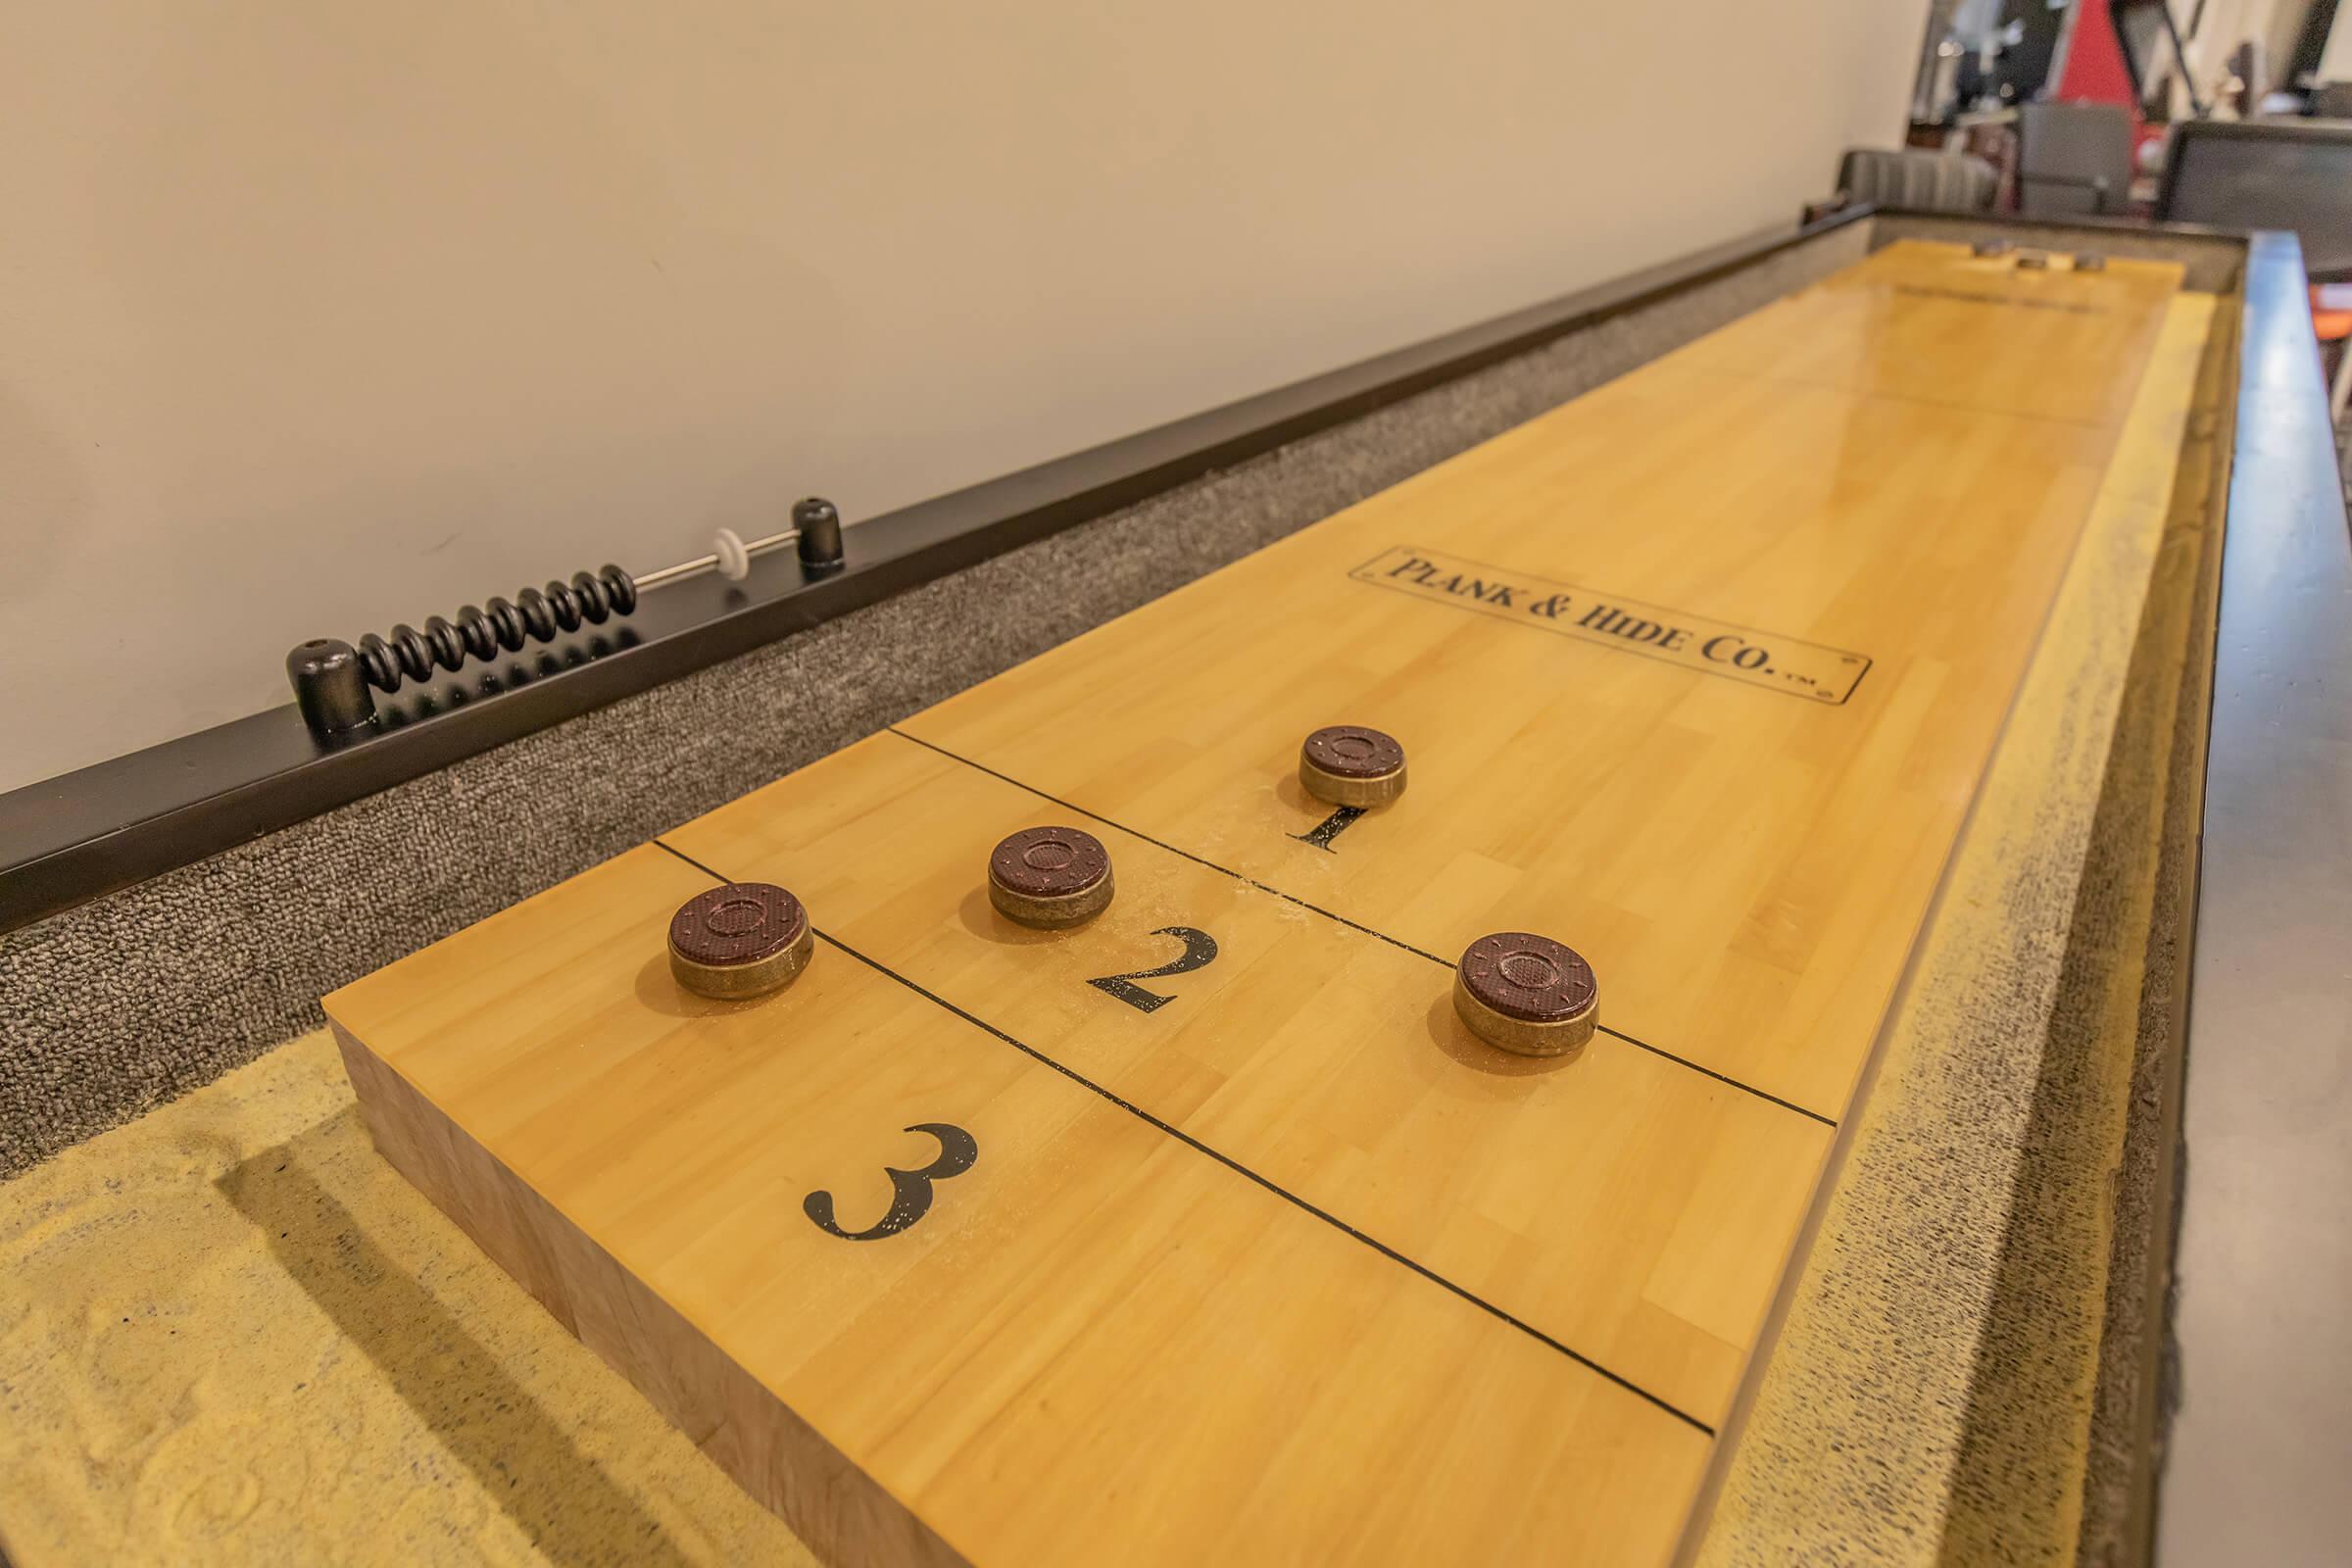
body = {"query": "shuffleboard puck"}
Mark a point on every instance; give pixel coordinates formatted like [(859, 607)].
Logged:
[(2090, 262), (1527, 994), (2033, 260), (1992, 247), (1050, 877), (743, 939), (1349, 764)]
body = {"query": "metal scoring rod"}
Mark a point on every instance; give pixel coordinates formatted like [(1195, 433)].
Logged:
[(729, 556), (331, 678)]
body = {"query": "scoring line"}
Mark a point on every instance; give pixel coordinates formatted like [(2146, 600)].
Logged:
[(1352, 925), (1236, 1166)]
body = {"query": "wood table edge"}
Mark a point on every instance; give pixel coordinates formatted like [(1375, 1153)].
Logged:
[(838, 1509), (2117, 508)]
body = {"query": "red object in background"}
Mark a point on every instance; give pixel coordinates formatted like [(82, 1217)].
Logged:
[(2332, 311), (2096, 72)]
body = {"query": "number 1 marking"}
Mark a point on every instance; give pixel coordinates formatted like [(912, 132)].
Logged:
[(1331, 827)]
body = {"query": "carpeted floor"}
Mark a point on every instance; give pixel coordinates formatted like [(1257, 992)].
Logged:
[(233, 1335)]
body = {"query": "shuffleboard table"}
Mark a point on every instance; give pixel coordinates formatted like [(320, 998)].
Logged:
[(1895, 657), (1207, 1231)]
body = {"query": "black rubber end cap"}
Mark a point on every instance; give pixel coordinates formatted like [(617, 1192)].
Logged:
[(329, 688), (820, 533)]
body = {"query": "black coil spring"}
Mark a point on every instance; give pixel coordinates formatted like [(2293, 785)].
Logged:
[(479, 633)]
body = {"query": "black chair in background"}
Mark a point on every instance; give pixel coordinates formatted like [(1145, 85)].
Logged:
[(2270, 173), (2074, 160), (2265, 173)]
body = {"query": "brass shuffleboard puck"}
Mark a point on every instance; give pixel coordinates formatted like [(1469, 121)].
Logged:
[(1349, 764), (743, 939), (1527, 994), (1050, 877)]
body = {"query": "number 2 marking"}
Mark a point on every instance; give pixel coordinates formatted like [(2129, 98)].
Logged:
[(1199, 947), (910, 1189)]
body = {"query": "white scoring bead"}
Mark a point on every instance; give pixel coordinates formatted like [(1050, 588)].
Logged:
[(734, 560)]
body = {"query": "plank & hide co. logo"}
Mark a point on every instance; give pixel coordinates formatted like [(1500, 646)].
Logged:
[(1764, 658)]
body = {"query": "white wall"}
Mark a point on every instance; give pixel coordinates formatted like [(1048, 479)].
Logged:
[(2335, 58), (315, 316), (2221, 27)]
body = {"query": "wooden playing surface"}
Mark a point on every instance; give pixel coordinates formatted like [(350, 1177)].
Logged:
[(1263, 1257)]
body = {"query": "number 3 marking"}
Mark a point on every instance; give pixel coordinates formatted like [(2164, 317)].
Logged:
[(1199, 947), (910, 1189)]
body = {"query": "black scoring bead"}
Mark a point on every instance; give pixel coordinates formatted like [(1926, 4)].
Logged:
[(474, 627), (506, 623), (532, 604), (449, 648), (534, 614), (414, 654), (378, 665), (590, 593)]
